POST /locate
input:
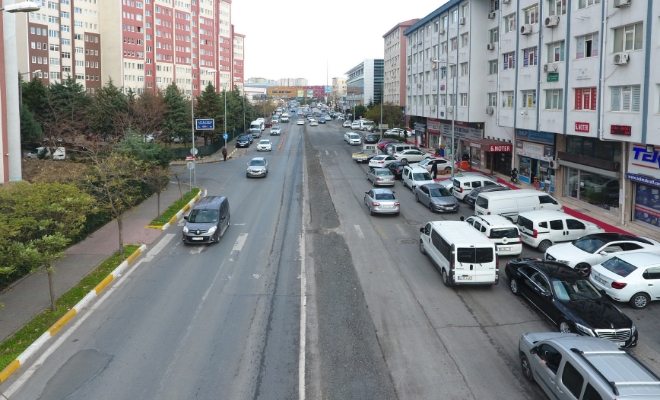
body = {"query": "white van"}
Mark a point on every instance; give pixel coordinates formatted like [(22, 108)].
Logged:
[(413, 176), (509, 203), (256, 127), (499, 230), (464, 183), (463, 255), (543, 228)]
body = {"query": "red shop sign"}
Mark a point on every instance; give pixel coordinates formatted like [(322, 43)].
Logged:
[(582, 127), (624, 130), (499, 148)]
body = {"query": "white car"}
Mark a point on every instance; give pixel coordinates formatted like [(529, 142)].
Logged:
[(353, 138), (410, 155), (275, 131), (313, 122), (397, 132), (355, 125), (381, 161), (595, 248), (346, 124), (413, 176), (300, 122), (443, 165), (500, 231), (264, 145), (631, 277)]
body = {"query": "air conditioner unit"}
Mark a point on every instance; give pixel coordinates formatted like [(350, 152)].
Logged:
[(492, 15), (553, 164), (552, 21), (490, 46), (526, 29), (490, 110), (442, 31), (621, 58), (461, 21), (622, 3), (551, 67)]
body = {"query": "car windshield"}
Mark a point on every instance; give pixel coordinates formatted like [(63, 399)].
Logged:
[(439, 192), (589, 243), (473, 255), (618, 266), (500, 233), (201, 216), (421, 176), (257, 163), (384, 196), (579, 289), (264, 142)]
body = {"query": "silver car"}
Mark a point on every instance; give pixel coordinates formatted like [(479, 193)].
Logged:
[(381, 201), (257, 168), (436, 197), (380, 176)]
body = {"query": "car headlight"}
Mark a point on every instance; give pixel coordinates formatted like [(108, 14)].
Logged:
[(549, 257), (185, 229), (633, 329), (585, 330), (212, 230)]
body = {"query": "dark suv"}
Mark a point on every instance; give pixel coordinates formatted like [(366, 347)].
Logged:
[(243, 141), (569, 300)]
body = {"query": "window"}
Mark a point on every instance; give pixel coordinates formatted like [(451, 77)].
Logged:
[(587, 45), (510, 23), (464, 69), (464, 100), (507, 99), (590, 393), (452, 71), (464, 39), (492, 99), (454, 43), (529, 56), (492, 67), (629, 37), (556, 51), (494, 5), (553, 99), (651, 273), (625, 98), (532, 14), (509, 60), (550, 355), (585, 98), (572, 379), (587, 3), (557, 7), (557, 225), (493, 35), (574, 224), (528, 98)]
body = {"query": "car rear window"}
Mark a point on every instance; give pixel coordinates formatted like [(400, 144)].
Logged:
[(525, 223), (482, 202), (384, 196), (421, 176), (618, 266), (500, 233), (383, 172), (474, 255)]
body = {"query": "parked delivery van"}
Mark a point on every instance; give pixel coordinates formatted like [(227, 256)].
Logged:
[(509, 203)]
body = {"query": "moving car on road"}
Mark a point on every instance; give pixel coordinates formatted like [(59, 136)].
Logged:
[(257, 168), (264, 145), (381, 201), (207, 221), (243, 141), (275, 130), (436, 197), (543, 228), (380, 176)]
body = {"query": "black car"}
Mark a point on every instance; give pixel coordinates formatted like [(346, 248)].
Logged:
[(569, 300), (471, 197), (243, 141), (397, 168), (321, 120), (371, 138)]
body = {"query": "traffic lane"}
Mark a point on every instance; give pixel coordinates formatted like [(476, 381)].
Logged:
[(420, 348)]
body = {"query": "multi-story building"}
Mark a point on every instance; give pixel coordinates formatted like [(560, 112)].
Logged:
[(238, 64), (339, 87), (364, 83), (292, 82), (394, 64), (570, 84)]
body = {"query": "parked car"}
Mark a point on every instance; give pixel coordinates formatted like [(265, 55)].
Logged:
[(543, 228), (381, 160), (371, 138), (243, 141), (569, 300), (413, 175), (568, 366), (382, 144), (264, 145), (355, 125), (595, 248), (398, 132), (300, 121), (630, 277), (499, 230), (346, 124), (353, 138), (381, 201), (510, 203), (471, 197), (367, 153), (410, 155), (444, 166), (379, 176), (397, 168), (436, 197), (464, 183), (257, 168)]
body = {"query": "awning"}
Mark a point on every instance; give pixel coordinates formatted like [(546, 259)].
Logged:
[(493, 146)]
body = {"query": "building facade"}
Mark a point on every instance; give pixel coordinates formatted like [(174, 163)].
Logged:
[(238, 63), (364, 83), (394, 64)]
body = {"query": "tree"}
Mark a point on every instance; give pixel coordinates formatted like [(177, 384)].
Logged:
[(360, 111), (109, 112), (392, 115), (150, 153), (31, 131), (147, 112), (177, 113), (34, 96), (210, 105), (67, 111)]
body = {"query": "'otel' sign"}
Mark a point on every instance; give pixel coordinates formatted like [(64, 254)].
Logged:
[(646, 157)]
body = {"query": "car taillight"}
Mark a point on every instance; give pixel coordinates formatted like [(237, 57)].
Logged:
[(376, 204), (396, 203), (618, 285), (460, 190), (535, 233)]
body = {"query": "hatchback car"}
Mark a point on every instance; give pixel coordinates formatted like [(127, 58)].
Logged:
[(630, 277), (436, 197), (371, 138), (443, 166), (381, 160), (569, 300), (499, 230), (380, 176), (257, 168), (381, 201), (382, 144), (396, 168), (264, 145)]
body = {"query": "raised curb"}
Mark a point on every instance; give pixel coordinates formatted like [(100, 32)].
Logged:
[(182, 211), (66, 318)]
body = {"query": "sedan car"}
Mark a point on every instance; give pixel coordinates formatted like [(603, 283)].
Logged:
[(371, 138), (300, 122), (382, 144), (257, 168), (243, 141), (595, 248), (569, 300), (381, 201), (436, 197), (380, 176), (410, 155), (346, 124), (443, 166), (397, 132), (381, 160), (264, 145), (629, 277), (471, 197), (313, 122), (275, 131)]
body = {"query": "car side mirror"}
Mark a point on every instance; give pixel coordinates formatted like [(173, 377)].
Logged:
[(421, 229), (366, 192), (185, 217), (462, 218), (533, 350), (603, 253)]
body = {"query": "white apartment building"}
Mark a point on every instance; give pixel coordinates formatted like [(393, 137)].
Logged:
[(394, 68), (364, 83)]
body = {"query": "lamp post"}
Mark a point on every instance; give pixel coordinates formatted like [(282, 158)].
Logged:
[(13, 151)]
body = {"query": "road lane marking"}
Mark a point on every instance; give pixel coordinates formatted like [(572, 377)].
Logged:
[(240, 242), (401, 229), (359, 232), (327, 153), (196, 250), (159, 246)]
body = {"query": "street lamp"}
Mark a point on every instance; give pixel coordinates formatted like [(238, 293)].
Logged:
[(453, 114)]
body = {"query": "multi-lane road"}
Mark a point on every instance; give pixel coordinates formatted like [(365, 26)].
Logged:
[(224, 321)]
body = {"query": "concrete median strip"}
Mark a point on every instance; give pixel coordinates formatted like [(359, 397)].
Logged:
[(66, 318)]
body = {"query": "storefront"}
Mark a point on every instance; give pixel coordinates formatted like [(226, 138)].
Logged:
[(535, 158), (491, 155), (433, 130), (464, 133), (420, 133), (644, 175)]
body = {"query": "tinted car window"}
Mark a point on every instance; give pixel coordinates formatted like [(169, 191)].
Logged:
[(524, 222), (421, 176), (652, 273), (550, 355), (547, 200), (499, 233), (574, 224), (483, 203), (589, 244), (384, 196), (474, 255), (591, 394), (572, 379), (557, 225), (257, 163), (579, 289), (618, 266), (203, 216)]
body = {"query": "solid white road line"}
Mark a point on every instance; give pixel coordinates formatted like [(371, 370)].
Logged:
[(159, 246), (240, 242), (359, 232)]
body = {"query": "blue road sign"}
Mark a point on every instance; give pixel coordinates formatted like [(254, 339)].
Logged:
[(204, 124), (225, 136)]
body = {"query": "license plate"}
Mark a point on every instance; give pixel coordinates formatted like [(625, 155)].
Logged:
[(505, 248), (599, 279), (620, 344), (464, 278), (197, 238)]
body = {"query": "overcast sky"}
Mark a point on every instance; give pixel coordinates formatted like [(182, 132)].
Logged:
[(317, 40)]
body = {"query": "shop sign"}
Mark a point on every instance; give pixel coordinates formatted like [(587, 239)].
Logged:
[(582, 127), (461, 132), (553, 77), (643, 179), (499, 148), (645, 157), (535, 136), (623, 130), (433, 125)]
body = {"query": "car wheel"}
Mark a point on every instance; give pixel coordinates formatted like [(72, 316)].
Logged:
[(564, 327), (416, 197), (543, 246), (583, 269), (445, 278), (639, 300), (526, 368), (513, 286), (404, 160), (421, 247), (431, 207)]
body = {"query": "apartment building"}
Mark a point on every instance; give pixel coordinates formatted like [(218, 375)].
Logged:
[(569, 84), (364, 83), (238, 63), (394, 64)]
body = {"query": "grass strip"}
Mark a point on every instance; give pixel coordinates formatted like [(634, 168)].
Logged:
[(13, 346), (174, 208)]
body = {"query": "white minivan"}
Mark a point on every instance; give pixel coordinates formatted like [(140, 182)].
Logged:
[(543, 228), (510, 203), (413, 176), (463, 255), (499, 230), (464, 183)]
